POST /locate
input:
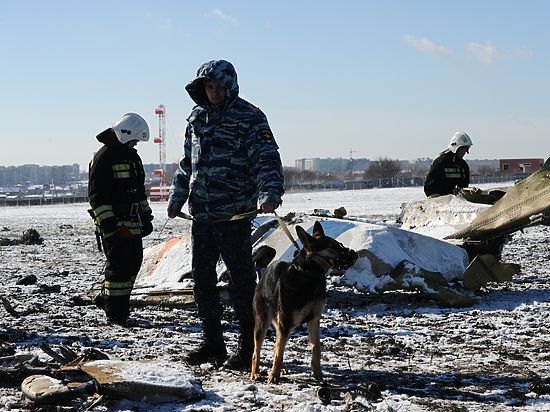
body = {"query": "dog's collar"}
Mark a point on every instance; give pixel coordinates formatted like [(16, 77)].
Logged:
[(322, 262), (319, 261)]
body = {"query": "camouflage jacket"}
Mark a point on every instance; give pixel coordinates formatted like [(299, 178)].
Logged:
[(230, 162)]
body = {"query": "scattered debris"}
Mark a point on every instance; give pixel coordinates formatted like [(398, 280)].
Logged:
[(6, 348), (540, 387), (15, 368), (487, 268), (50, 288), (72, 375), (340, 212), (146, 381), (321, 212), (9, 307), (408, 276), (44, 389), (29, 237), (27, 280), (80, 301)]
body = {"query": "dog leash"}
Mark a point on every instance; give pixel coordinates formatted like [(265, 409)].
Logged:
[(231, 219), (246, 216), (178, 214), (285, 229), (162, 228)]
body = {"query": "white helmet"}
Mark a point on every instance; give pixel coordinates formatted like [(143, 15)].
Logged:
[(131, 126), (459, 139)]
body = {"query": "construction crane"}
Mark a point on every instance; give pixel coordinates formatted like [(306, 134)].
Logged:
[(161, 192), (351, 160)]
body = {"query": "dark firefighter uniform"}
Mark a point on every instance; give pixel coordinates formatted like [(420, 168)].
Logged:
[(446, 173), (122, 216)]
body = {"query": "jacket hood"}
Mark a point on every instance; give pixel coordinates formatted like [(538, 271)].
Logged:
[(219, 70), (108, 138)]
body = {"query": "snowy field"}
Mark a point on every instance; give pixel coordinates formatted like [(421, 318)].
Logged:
[(396, 351)]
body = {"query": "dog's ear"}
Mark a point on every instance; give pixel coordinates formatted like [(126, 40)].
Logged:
[(303, 236), (318, 230)]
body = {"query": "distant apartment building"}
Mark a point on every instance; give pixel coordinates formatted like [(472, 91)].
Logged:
[(522, 166), (329, 165), (38, 175)]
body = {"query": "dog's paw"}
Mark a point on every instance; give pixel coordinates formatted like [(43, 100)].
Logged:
[(255, 376), (274, 378)]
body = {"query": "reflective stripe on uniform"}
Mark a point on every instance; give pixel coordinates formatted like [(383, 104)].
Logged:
[(121, 171), (119, 288), (103, 212), (454, 173)]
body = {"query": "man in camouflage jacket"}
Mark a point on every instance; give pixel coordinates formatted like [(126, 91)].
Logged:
[(230, 165)]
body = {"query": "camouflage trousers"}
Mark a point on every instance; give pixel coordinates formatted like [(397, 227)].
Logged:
[(230, 241)]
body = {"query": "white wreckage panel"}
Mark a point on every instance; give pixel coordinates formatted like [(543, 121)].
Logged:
[(381, 248)]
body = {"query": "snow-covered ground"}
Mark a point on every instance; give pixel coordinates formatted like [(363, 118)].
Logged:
[(396, 351)]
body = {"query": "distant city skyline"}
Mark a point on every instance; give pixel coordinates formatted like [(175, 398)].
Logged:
[(380, 79), (326, 164), (85, 169)]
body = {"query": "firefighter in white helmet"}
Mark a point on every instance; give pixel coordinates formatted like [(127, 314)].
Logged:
[(449, 171), (116, 191)]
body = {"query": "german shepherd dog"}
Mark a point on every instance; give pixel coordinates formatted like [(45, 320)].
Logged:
[(289, 294)]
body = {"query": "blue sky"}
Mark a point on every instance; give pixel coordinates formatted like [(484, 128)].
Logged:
[(375, 78)]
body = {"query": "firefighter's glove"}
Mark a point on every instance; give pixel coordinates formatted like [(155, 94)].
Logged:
[(146, 229), (146, 217), (146, 225), (124, 233)]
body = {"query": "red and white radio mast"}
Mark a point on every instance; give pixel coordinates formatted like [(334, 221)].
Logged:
[(161, 141)]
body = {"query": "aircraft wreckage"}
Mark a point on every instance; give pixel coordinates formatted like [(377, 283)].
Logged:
[(446, 247)]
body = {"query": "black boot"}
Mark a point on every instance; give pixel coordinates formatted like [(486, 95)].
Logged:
[(242, 359), (117, 308), (212, 348)]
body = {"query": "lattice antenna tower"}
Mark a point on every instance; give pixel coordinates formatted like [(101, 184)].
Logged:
[(161, 141)]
